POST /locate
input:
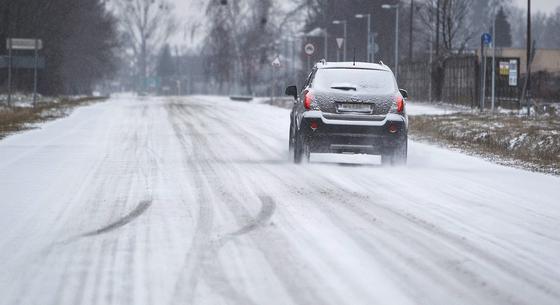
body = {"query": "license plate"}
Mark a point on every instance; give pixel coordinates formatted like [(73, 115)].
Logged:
[(355, 107)]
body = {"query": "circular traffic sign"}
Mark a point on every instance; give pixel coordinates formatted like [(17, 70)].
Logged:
[(309, 49)]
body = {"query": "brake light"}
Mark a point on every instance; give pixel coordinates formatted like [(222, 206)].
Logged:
[(314, 125), (400, 104), (307, 100)]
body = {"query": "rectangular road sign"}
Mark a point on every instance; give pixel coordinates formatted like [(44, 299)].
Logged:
[(513, 73), (23, 44), (22, 62)]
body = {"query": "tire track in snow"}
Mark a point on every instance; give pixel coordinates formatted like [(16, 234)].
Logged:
[(142, 207), (195, 126), (268, 208), (205, 256), (469, 277), (393, 222)]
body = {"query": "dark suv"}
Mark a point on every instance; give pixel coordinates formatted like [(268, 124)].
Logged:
[(348, 107)]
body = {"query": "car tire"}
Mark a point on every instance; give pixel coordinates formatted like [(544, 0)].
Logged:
[(298, 148), (398, 157), (291, 140)]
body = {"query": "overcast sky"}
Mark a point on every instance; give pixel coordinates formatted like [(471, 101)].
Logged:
[(184, 6), (190, 10), (544, 6)]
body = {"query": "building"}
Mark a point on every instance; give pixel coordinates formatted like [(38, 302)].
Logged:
[(546, 60)]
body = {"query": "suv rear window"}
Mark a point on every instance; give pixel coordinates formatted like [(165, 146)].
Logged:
[(374, 81)]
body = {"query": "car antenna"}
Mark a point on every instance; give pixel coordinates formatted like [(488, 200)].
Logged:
[(354, 56)]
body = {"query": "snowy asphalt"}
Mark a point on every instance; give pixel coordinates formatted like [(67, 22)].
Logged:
[(193, 201)]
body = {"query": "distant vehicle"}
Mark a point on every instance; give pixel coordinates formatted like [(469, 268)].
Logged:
[(347, 107)]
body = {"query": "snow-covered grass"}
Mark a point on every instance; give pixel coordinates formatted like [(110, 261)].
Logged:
[(22, 115), (512, 139)]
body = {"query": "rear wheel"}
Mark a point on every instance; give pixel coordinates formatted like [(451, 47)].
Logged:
[(301, 149), (398, 156), (291, 140), (298, 148)]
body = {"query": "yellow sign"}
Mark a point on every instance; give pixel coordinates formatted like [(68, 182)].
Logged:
[(504, 68)]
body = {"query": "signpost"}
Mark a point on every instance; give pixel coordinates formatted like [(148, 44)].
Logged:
[(512, 73), (485, 39), (339, 43), (275, 65), (23, 45), (309, 50)]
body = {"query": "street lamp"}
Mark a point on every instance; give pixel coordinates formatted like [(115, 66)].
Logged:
[(396, 7), (344, 23), (369, 44)]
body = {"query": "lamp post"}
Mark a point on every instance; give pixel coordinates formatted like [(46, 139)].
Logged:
[(369, 44), (344, 23), (493, 59), (396, 7)]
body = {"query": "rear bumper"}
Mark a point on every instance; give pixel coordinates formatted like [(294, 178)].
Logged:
[(353, 136)]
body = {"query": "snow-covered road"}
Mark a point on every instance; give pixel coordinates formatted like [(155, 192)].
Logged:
[(194, 201)]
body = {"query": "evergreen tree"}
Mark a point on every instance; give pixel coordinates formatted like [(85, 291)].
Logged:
[(503, 30), (165, 66)]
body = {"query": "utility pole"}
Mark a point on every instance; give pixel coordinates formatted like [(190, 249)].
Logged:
[(397, 43), (396, 7), (9, 72), (528, 70), (345, 40), (494, 39), (410, 30), (369, 47), (344, 24), (482, 74), (35, 72), (437, 28), (326, 44)]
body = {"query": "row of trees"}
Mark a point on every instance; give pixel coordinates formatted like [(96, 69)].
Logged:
[(244, 36), (251, 33), (80, 38), (544, 25), (144, 26)]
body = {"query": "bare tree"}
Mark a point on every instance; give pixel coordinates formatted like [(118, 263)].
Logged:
[(148, 25), (79, 41)]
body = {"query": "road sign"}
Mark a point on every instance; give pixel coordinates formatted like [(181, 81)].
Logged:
[(512, 73), (24, 44), (309, 49), (486, 38), (276, 62), (375, 48), (339, 42), (22, 62)]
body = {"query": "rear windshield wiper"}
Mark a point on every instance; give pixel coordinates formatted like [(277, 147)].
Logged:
[(345, 87)]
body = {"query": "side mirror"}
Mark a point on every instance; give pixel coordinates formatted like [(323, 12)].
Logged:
[(404, 93), (292, 91)]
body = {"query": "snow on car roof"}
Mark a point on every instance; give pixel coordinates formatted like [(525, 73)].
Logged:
[(351, 65)]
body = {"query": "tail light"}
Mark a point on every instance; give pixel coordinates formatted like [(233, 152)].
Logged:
[(400, 104), (307, 100), (314, 125)]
